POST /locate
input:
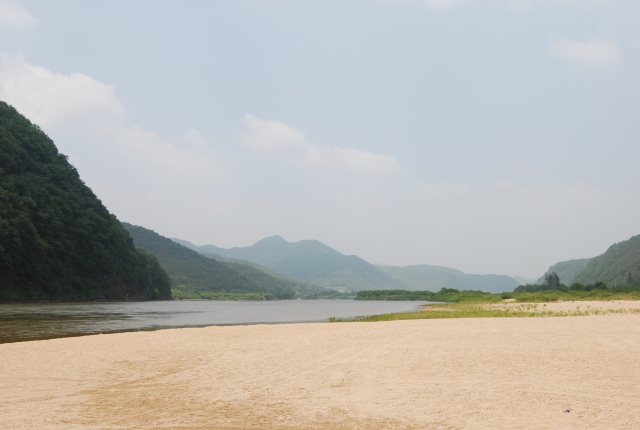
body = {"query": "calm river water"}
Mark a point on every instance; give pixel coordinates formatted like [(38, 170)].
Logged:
[(33, 321)]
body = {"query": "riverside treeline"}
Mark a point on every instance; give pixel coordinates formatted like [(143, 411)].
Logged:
[(451, 295)]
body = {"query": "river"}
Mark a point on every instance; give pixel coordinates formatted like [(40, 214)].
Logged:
[(37, 321)]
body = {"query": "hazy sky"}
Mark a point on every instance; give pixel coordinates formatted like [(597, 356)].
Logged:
[(493, 136)]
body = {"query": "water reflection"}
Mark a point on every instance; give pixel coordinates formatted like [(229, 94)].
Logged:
[(34, 321)]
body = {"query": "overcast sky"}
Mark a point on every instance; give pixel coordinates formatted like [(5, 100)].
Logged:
[(492, 136)]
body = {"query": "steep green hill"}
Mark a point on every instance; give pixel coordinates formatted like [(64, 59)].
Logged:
[(57, 241), (309, 261), (566, 270), (434, 278), (618, 266), (192, 271)]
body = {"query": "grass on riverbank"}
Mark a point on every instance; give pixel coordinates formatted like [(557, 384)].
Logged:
[(556, 296), (454, 296), (491, 310)]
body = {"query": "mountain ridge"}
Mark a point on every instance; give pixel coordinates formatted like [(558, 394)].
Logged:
[(433, 278), (308, 261), (332, 268), (193, 271)]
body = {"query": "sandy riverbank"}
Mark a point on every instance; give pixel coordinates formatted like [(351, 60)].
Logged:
[(591, 306), (494, 373)]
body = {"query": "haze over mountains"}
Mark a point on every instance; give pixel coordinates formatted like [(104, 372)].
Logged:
[(200, 273), (435, 277), (309, 261), (313, 261), (58, 242)]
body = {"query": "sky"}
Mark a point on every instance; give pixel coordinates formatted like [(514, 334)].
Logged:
[(491, 136)]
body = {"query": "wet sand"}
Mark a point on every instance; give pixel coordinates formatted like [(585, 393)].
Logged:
[(493, 373)]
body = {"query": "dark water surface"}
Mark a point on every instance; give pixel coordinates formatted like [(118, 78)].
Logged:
[(34, 321)]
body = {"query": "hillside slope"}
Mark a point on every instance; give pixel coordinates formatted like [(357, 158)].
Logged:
[(57, 241), (304, 290), (434, 278), (618, 266), (309, 261), (192, 271), (566, 270)]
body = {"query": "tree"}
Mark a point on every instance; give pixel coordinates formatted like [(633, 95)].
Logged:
[(552, 280), (600, 285)]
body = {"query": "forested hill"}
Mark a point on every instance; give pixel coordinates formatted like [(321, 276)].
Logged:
[(308, 261), (618, 266), (435, 278), (191, 271), (57, 241), (566, 270), (204, 249)]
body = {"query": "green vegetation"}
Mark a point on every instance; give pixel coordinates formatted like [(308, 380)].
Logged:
[(468, 310), (618, 266), (622, 293), (434, 278), (191, 272), (179, 294), (313, 262), (394, 295), (551, 283), (57, 241), (463, 310), (552, 290), (566, 270), (302, 290), (307, 261), (450, 295), (199, 277)]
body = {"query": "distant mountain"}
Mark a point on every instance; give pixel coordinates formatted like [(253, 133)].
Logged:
[(192, 271), (618, 266), (57, 240), (260, 267), (309, 261), (434, 278), (304, 290), (204, 249), (566, 270)]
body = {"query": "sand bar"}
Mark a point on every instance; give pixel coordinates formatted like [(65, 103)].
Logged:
[(590, 306), (493, 373)]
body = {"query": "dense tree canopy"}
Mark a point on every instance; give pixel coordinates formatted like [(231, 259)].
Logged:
[(57, 241)]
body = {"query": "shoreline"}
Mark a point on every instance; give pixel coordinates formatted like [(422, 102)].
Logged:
[(490, 373), (51, 321), (519, 310)]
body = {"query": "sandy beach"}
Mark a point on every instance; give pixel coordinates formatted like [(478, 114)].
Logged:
[(492, 373), (591, 307)]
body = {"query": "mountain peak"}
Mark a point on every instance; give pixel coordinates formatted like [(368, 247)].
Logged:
[(272, 240)]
